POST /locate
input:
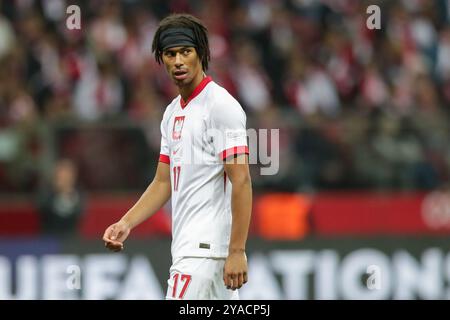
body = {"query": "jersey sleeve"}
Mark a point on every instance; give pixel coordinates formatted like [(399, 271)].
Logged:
[(164, 154), (229, 127)]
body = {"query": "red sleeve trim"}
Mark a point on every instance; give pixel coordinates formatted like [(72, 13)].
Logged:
[(164, 158), (233, 151)]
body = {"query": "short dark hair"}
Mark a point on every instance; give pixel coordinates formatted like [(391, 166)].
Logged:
[(182, 20)]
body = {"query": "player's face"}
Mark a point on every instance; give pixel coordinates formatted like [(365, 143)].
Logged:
[(182, 64)]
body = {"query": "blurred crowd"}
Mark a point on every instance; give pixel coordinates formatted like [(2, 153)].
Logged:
[(356, 108)]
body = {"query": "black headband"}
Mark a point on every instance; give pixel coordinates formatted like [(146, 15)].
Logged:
[(177, 37)]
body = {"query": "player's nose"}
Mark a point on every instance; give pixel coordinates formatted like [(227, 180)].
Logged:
[(178, 60)]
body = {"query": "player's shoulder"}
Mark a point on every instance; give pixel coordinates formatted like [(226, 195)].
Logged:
[(221, 98)]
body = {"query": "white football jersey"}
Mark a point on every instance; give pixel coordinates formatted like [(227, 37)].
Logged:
[(197, 135)]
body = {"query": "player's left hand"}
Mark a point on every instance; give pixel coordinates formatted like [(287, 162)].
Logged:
[(235, 270)]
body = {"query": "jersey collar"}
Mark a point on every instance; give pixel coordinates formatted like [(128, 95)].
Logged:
[(196, 91)]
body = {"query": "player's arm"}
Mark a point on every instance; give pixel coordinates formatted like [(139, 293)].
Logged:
[(235, 270), (156, 195)]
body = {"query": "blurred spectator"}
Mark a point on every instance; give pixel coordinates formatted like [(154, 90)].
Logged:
[(7, 35), (252, 82), (357, 108), (99, 92), (61, 203), (316, 93)]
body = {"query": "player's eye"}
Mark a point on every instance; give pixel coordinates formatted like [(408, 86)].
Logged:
[(169, 53), (186, 51)]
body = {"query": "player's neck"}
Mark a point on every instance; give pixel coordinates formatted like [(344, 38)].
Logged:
[(186, 91)]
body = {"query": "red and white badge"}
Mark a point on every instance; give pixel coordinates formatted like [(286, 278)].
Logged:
[(177, 127)]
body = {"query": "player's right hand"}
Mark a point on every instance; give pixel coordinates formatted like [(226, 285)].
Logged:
[(115, 235)]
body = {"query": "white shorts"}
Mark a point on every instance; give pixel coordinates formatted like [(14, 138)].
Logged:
[(198, 279)]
